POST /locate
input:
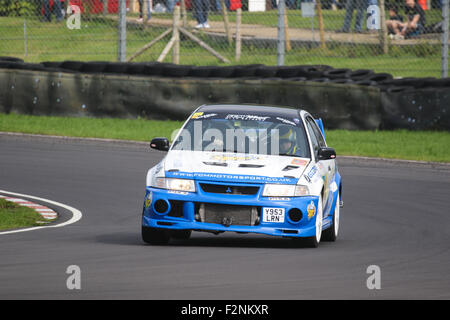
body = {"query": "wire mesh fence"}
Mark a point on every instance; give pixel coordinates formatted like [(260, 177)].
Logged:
[(402, 37)]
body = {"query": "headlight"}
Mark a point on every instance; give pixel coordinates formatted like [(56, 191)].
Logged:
[(175, 184), (285, 190)]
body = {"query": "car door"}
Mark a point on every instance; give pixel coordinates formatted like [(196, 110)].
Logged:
[(326, 168)]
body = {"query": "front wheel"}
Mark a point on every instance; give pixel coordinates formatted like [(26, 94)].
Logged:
[(313, 242), (155, 236), (332, 232)]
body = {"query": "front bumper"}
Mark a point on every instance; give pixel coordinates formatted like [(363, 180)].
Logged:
[(187, 217)]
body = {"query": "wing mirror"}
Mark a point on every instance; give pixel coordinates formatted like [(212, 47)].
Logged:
[(160, 144), (326, 153)]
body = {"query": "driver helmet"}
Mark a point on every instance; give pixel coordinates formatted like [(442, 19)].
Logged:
[(287, 140)]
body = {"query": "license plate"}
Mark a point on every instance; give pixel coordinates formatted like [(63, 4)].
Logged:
[(273, 215)]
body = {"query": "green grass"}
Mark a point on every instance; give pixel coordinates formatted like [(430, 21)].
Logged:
[(97, 40), (13, 216), (399, 144), (107, 128)]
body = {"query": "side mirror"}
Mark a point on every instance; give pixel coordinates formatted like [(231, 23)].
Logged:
[(326, 153), (160, 144)]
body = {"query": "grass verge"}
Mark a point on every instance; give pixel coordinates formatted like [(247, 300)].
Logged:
[(13, 216), (398, 144)]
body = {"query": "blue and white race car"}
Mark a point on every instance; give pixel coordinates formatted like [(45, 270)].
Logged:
[(246, 169)]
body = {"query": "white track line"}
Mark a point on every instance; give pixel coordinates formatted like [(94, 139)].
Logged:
[(76, 214)]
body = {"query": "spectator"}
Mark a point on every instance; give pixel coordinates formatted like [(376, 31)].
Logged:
[(394, 19), (415, 24), (201, 13), (141, 11), (56, 8), (360, 6), (170, 4)]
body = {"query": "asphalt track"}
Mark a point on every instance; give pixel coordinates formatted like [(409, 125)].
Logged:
[(396, 216)]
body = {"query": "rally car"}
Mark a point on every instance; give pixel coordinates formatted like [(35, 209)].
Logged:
[(245, 169)]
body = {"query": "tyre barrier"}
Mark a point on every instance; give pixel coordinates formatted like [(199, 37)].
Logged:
[(360, 74), (347, 99), (337, 73)]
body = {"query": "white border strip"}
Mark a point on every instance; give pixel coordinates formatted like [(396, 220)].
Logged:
[(76, 214)]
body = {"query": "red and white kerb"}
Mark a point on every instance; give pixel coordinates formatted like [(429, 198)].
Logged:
[(44, 211)]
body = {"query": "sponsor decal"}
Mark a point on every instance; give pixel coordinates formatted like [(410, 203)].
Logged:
[(204, 116), (148, 200), (312, 172), (158, 168), (299, 162), (311, 210), (286, 121), (232, 177), (234, 158), (246, 117), (197, 115)]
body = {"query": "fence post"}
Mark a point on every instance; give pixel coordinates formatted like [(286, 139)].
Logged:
[(383, 33), (281, 40), (25, 37), (176, 35), (122, 37), (445, 34), (105, 7), (238, 33)]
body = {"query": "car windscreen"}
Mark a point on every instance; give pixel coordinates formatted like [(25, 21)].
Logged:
[(244, 133)]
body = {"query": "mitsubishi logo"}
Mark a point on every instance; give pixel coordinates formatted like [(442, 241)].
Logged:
[(228, 190), (227, 221)]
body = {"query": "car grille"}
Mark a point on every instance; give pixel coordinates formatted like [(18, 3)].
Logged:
[(228, 214), (229, 189)]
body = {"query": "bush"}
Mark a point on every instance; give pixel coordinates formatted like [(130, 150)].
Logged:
[(17, 8)]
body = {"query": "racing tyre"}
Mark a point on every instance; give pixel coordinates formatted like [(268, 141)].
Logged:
[(331, 233), (180, 234), (313, 242), (200, 72), (337, 73), (360, 74), (155, 236), (72, 65), (266, 71), (11, 59), (379, 77), (52, 64), (222, 72), (176, 70), (116, 67), (288, 71)]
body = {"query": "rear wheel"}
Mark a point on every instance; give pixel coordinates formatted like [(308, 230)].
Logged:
[(332, 232), (155, 236)]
